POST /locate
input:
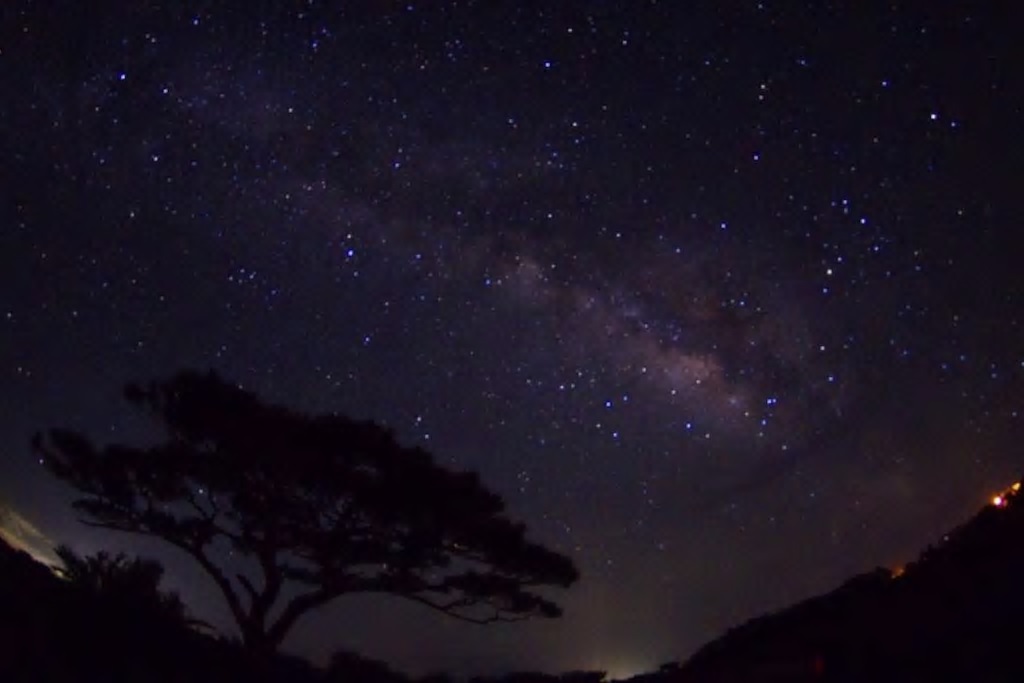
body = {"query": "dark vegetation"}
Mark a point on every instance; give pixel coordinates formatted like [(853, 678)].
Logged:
[(112, 623), (332, 506)]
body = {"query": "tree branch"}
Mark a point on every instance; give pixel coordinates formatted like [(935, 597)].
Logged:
[(451, 607), (234, 604), (273, 579), (249, 589), (203, 512)]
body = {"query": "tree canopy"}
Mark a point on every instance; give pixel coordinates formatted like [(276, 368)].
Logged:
[(312, 507)]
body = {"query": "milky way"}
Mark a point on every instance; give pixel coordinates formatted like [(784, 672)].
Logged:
[(721, 300)]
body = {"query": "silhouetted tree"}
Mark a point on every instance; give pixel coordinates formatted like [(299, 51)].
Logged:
[(106, 573), (327, 504), (123, 583)]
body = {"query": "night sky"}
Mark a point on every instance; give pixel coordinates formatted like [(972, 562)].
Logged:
[(724, 300)]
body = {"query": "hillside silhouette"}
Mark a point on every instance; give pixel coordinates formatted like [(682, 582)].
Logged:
[(954, 614)]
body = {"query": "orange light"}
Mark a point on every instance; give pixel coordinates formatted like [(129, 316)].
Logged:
[(897, 572), (1015, 487), (998, 501)]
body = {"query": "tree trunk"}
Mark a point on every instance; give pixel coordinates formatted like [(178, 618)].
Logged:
[(258, 643)]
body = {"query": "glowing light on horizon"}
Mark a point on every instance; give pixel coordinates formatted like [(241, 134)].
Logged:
[(620, 670)]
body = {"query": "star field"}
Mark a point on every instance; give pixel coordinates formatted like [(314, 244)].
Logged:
[(724, 301)]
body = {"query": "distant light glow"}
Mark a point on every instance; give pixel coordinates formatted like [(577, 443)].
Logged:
[(621, 669)]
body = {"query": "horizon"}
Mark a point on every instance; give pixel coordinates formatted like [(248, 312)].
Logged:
[(13, 526)]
